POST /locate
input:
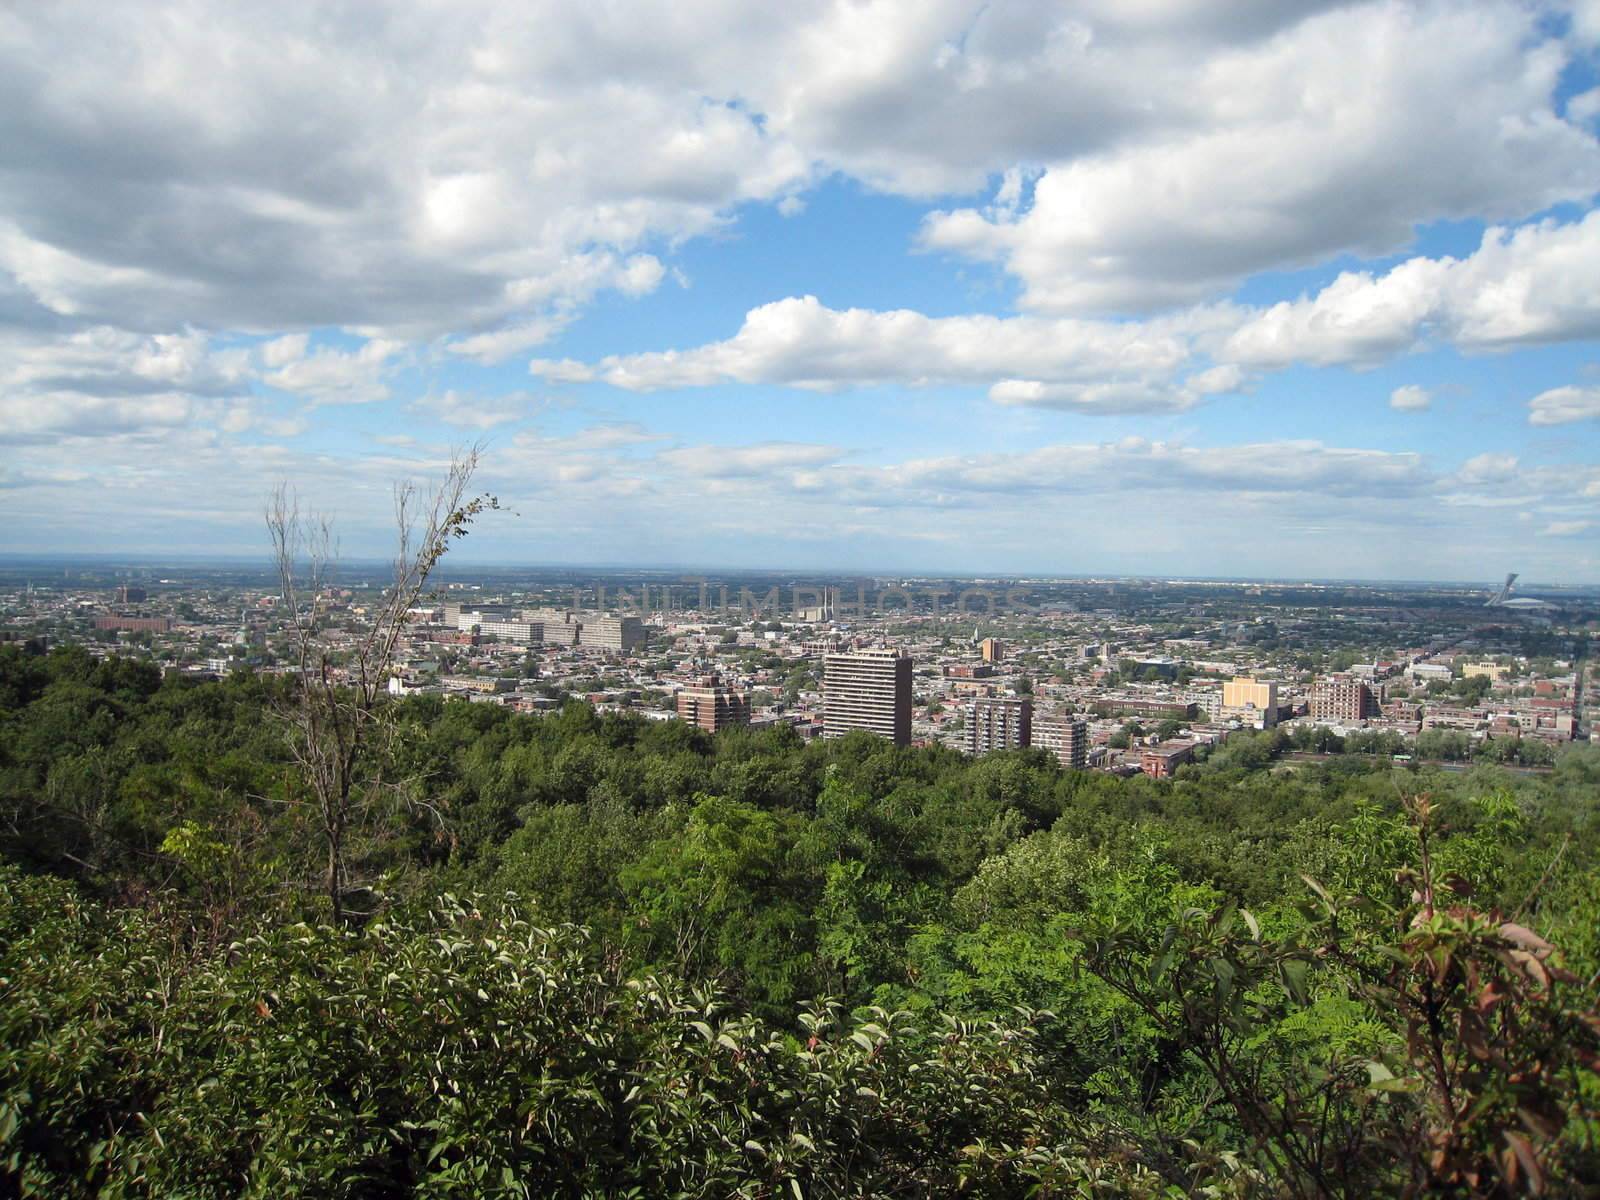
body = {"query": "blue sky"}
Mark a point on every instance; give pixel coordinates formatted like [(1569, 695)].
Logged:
[(1143, 286)]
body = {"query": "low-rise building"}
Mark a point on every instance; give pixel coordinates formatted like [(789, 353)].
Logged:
[(1160, 762)]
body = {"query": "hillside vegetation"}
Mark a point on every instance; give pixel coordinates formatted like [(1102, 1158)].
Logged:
[(597, 955)]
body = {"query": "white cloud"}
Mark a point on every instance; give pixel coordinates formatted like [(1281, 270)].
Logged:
[(475, 412), (801, 343), (1137, 463), (101, 381), (27, 419), (1566, 528), (501, 344), (1302, 146), (449, 169), (1411, 397), (328, 375), (280, 352), (763, 460), (412, 174), (557, 296), (1520, 287), (1563, 405), (1489, 467)]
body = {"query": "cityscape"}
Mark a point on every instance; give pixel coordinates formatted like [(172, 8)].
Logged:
[(1116, 675), (696, 600)]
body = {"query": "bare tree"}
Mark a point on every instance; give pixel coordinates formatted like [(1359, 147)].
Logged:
[(336, 716)]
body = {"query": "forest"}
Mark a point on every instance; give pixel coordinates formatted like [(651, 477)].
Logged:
[(583, 954)]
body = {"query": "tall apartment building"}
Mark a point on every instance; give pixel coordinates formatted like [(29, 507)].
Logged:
[(1251, 701), (617, 634), (871, 690), (998, 723), (713, 706), (1064, 736), (1341, 698), (992, 649)]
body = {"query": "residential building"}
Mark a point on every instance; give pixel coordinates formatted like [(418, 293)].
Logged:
[(998, 723), (516, 632), (871, 690), (1144, 706), (482, 684), (133, 624), (1159, 762), (1065, 736), (620, 635), (968, 671), (711, 705), (1252, 701), (1342, 698), (992, 649)]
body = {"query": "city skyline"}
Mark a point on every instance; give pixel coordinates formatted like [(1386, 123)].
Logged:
[(1295, 291)]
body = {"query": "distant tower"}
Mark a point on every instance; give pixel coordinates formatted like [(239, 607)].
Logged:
[(1499, 598)]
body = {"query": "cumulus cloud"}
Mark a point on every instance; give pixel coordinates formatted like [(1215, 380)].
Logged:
[(462, 170), (802, 343), (1520, 287), (1172, 219), (428, 172), (1563, 405), (1411, 397), (101, 381), (327, 374), (1490, 467)]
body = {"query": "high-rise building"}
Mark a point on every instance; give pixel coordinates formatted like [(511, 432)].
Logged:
[(1064, 736), (1250, 701), (713, 706), (998, 723), (992, 649), (871, 690), (1341, 698)]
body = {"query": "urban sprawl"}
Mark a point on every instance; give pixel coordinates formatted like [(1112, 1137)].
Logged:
[(1126, 676)]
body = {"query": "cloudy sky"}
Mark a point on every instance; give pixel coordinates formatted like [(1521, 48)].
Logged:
[(1233, 287)]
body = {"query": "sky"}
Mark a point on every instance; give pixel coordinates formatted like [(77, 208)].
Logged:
[(1234, 288)]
